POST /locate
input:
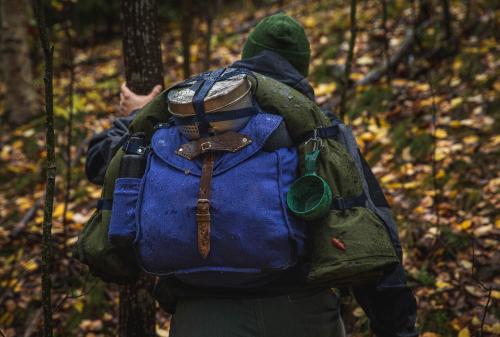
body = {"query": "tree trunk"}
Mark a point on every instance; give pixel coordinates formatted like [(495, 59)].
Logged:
[(143, 70), (386, 42), (186, 30), (48, 52), (447, 19), (20, 98), (141, 45), (348, 62), (209, 18)]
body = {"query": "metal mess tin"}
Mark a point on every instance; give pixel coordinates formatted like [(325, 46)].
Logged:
[(231, 94)]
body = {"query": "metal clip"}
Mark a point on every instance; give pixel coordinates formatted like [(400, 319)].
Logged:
[(317, 142)]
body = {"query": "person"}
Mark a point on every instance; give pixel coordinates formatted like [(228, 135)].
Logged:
[(278, 48)]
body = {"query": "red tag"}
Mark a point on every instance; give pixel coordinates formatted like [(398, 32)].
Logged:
[(338, 244)]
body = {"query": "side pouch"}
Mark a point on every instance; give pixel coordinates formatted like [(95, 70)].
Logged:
[(106, 261), (123, 229), (350, 247)]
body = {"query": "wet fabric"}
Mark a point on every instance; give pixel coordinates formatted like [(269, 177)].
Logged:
[(252, 235), (309, 314)]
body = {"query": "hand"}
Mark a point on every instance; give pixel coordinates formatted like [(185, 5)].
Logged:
[(130, 101)]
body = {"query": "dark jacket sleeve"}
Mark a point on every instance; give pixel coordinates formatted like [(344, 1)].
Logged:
[(390, 304), (103, 146)]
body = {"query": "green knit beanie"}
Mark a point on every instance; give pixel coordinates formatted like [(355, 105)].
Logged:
[(281, 34)]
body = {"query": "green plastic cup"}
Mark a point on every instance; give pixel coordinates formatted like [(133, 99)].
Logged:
[(310, 196)]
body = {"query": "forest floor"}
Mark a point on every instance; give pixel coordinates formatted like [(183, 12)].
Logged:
[(429, 130)]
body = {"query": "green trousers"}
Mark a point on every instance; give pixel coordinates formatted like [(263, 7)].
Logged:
[(312, 314)]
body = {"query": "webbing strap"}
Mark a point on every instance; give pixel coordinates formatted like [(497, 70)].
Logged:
[(341, 203), (326, 132), (199, 99), (218, 117), (105, 204)]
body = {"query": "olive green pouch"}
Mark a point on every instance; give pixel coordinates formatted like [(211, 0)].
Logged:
[(348, 246)]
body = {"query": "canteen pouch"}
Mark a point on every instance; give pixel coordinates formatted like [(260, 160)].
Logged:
[(351, 244), (122, 228)]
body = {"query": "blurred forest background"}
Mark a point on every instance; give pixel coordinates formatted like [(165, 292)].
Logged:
[(428, 124)]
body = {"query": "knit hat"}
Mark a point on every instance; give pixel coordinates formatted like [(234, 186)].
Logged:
[(281, 34)]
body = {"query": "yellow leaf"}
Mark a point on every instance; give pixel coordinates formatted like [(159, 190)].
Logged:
[(58, 211), (367, 136), (410, 185), (494, 329), (365, 60), (325, 88), (464, 333), (78, 305), (471, 140), (161, 332), (388, 177), (29, 265), (456, 102), (309, 22), (430, 334), (440, 133), (419, 210), (356, 76), (495, 294), (497, 223), (443, 285), (481, 78), (422, 87), (358, 312), (466, 224), (455, 124)]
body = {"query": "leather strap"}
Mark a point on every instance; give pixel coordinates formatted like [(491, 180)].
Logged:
[(203, 217), (227, 142)]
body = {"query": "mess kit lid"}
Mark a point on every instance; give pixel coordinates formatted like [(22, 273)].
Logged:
[(223, 94)]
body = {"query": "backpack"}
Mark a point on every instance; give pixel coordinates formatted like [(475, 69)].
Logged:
[(251, 233), (356, 242)]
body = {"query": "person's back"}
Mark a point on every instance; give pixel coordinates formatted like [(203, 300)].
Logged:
[(288, 306)]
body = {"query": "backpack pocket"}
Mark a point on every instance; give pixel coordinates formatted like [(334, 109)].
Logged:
[(350, 247), (123, 225), (105, 260)]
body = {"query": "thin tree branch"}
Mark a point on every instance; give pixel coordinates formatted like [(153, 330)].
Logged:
[(48, 52)]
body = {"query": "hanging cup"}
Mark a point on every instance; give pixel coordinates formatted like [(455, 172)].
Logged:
[(310, 196)]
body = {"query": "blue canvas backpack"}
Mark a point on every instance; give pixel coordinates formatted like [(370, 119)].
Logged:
[(252, 234)]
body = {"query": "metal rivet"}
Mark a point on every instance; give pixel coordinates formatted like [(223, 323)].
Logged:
[(180, 150), (139, 150), (244, 140)]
